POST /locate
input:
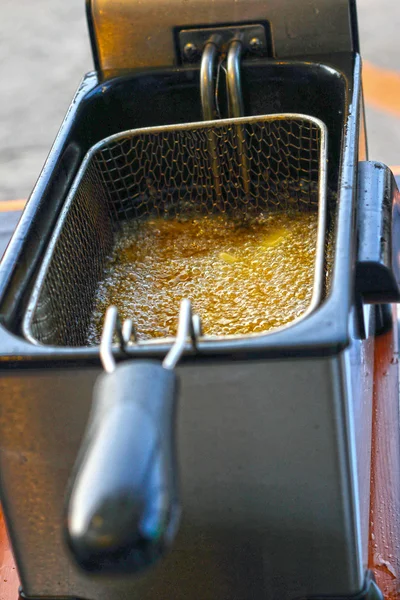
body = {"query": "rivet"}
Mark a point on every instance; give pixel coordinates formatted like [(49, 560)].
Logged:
[(190, 51), (255, 44)]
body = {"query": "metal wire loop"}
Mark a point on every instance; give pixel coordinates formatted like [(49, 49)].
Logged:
[(233, 79), (112, 326), (189, 325), (207, 87)]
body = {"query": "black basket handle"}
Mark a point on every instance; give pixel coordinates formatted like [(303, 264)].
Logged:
[(123, 506)]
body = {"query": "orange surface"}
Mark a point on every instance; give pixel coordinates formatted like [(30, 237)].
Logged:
[(9, 582), (381, 88), (384, 549), (11, 205)]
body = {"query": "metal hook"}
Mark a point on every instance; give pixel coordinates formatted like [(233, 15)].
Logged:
[(208, 60), (220, 66), (208, 97), (236, 108), (125, 332), (188, 325), (233, 79)]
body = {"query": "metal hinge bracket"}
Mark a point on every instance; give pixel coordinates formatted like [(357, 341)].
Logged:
[(254, 38)]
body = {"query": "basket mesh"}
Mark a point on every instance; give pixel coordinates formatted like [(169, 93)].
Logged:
[(241, 167)]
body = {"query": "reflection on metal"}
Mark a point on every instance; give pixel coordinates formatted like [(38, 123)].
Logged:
[(236, 108), (207, 93), (189, 325), (207, 89), (124, 333), (233, 79)]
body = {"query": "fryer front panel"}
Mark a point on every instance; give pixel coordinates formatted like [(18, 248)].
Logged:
[(267, 459)]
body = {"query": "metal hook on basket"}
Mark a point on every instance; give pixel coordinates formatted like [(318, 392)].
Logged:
[(233, 79), (189, 324), (207, 94), (236, 107), (125, 332), (207, 69)]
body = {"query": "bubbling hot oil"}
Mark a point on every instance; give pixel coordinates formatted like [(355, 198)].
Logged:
[(241, 277)]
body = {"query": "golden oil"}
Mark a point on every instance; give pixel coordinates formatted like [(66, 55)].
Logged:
[(241, 277)]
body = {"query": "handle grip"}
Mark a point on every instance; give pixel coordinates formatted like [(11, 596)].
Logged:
[(123, 509), (378, 213)]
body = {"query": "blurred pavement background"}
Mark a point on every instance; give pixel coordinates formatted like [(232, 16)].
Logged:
[(44, 51)]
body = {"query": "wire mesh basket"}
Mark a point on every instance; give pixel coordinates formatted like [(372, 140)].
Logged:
[(241, 167)]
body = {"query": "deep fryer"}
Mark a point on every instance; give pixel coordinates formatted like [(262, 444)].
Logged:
[(274, 430)]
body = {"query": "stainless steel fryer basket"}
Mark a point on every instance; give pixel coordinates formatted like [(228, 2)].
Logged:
[(241, 167)]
